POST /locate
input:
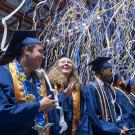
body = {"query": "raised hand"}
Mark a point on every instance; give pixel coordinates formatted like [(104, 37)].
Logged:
[(69, 89)]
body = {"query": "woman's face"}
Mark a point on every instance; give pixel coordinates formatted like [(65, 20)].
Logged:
[(65, 65)]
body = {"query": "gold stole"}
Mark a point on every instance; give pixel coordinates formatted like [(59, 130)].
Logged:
[(18, 90), (76, 110)]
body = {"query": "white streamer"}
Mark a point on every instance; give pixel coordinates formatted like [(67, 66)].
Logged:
[(62, 122), (107, 39), (35, 12), (4, 19)]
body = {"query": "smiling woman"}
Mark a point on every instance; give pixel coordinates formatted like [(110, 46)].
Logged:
[(67, 83), (66, 66), (63, 72)]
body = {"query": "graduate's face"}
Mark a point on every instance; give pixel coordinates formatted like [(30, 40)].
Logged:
[(35, 57), (121, 82), (133, 89), (107, 74), (65, 65)]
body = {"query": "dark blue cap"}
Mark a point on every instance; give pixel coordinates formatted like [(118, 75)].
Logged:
[(100, 62), (130, 83), (21, 39), (117, 77)]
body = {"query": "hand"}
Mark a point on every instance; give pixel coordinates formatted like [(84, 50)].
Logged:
[(47, 104), (126, 130), (69, 89), (122, 132)]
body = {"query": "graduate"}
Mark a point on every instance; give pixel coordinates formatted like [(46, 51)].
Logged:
[(100, 100), (130, 87), (67, 83), (123, 102), (23, 98)]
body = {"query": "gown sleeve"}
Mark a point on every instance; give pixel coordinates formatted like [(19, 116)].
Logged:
[(10, 110)]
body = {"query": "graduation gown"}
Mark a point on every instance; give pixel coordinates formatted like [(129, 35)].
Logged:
[(84, 127), (124, 103), (68, 107), (132, 98), (15, 119), (128, 110), (132, 112), (96, 111), (20, 116)]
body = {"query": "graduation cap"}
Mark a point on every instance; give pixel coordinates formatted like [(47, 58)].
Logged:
[(21, 39), (117, 77), (100, 62), (129, 84)]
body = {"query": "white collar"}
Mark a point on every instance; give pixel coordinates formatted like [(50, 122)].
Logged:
[(100, 82)]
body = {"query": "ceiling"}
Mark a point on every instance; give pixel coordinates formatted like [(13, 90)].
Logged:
[(19, 20)]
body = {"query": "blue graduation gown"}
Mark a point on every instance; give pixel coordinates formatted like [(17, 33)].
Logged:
[(99, 126), (15, 119), (128, 110), (132, 119), (21, 116), (132, 112), (132, 97), (84, 127), (123, 101), (67, 104), (53, 116)]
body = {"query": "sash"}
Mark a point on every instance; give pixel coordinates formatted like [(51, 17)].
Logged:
[(76, 110), (19, 92)]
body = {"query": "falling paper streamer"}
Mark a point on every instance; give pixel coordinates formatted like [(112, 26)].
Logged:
[(84, 32), (4, 19), (62, 122)]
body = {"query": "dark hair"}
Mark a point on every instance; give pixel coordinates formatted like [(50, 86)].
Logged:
[(21, 51), (130, 84)]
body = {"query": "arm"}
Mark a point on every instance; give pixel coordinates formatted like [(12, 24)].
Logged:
[(9, 108), (23, 113)]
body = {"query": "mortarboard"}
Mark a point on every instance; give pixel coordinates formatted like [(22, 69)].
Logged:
[(100, 62), (21, 39), (130, 83), (117, 76)]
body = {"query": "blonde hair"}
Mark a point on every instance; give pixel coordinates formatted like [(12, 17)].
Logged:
[(58, 78)]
